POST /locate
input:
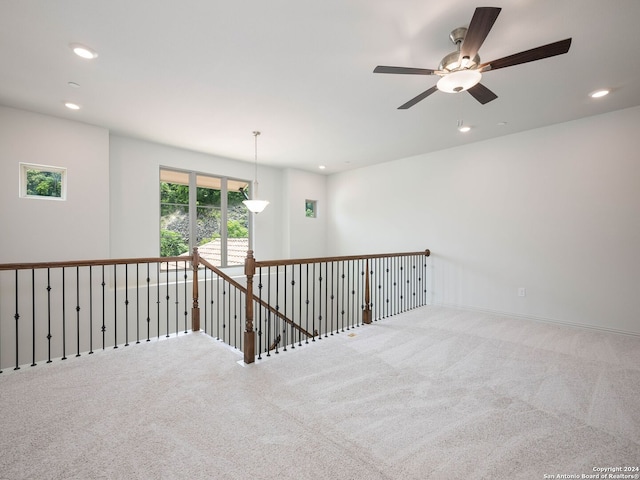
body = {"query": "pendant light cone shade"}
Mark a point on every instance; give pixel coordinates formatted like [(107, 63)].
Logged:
[(254, 205)]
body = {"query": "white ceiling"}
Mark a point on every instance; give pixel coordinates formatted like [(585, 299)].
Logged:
[(203, 74)]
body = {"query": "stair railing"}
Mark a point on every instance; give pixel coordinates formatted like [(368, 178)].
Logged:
[(55, 309), (314, 298)]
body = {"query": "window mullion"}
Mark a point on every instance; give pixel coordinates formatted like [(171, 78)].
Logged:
[(193, 211), (223, 228)]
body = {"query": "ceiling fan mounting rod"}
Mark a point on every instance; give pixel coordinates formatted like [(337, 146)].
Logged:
[(457, 36)]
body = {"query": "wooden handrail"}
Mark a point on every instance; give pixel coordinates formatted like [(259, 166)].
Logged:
[(92, 263), (303, 261)]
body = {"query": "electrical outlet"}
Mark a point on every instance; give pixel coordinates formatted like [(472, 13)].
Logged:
[(522, 292)]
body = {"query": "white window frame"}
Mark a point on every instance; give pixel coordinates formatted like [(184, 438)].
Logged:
[(193, 175), (25, 167)]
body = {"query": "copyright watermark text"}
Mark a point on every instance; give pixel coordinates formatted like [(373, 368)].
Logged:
[(600, 473)]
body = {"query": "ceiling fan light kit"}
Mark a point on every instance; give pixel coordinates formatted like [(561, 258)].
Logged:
[(459, 81), (462, 71)]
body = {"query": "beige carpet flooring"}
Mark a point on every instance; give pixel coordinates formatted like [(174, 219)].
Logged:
[(435, 393)]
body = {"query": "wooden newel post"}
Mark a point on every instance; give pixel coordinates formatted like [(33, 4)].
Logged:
[(366, 313), (249, 332), (195, 310)]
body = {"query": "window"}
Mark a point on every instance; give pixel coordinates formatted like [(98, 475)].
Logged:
[(310, 208), (204, 211), (41, 181)]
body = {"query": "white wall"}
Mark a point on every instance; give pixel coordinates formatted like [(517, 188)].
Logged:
[(304, 237), (135, 212), (554, 210), (36, 230)]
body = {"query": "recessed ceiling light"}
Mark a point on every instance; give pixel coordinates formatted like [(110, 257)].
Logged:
[(72, 106), (321, 167), (599, 93), (464, 128), (83, 51)]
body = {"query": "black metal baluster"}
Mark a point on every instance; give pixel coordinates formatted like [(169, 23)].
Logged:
[(236, 319), (90, 309), (415, 281), (268, 313), (224, 316), (259, 308), (361, 286), (33, 317), (126, 304), (64, 318), (148, 303), (373, 306), (185, 296), (307, 303), (320, 302), (78, 311), (293, 307), (401, 282), (342, 301), (351, 295), (115, 306), (293, 303), (49, 315), (407, 284), (158, 267), (313, 303), (300, 304), (218, 308), (137, 303), (167, 298), (284, 324), (177, 302), (232, 326), (332, 296), (17, 318), (276, 317), (104, 328), (326, 300), (387, 284), (424, 281), (394, 285), (205, 301)]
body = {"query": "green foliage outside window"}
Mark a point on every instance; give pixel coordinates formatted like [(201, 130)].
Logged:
[(44, 183), (175, 222), (172, 244), (236, 230)]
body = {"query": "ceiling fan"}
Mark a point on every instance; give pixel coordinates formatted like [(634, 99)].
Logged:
[(462, 71)]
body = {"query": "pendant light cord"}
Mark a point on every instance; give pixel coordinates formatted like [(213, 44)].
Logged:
[(255, 136)]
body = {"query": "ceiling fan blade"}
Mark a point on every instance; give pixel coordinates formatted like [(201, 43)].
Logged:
[(417, 99), (403, 70), (482, 93), (538, 53), (480, 26)]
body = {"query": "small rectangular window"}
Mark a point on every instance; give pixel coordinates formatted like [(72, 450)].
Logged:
[(310, 208), (42, 181)]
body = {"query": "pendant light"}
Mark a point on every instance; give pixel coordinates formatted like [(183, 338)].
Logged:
[(254, 205)]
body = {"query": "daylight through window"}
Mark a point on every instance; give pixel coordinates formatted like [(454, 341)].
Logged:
[(204, 211), (41, 181)]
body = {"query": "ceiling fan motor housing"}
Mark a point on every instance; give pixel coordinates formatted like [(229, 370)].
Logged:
[(452, 61)]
